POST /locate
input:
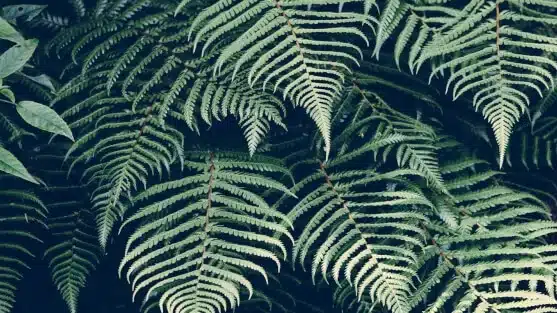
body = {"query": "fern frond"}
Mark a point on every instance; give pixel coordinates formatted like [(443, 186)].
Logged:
[(418, 151), (488, 260), (280, 45), (135, 70), (204, 223), (361, 225), (123, 148), (22, 216), (497, 60), (254, 110), (72, 251), (74, 255)]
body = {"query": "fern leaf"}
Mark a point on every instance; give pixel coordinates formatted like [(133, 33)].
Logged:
[(284, 29), (205, 227), (22, 215), (489, 36)]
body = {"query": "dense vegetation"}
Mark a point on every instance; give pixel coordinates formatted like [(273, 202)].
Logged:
[(222, 155)]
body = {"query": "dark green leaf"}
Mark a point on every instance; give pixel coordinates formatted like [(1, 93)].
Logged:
[(11, 165), (44, 118), (13, 12), (15, 58), (42, 80)]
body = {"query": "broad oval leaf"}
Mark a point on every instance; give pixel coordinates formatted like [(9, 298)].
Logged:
[(15, 58), (44, 118), (8, 32), (11, 165)]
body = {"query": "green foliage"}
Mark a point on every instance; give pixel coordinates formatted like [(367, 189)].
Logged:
[(498, 50), (386, 206), (71, 249), (206, 224), (488, 246), (22, 217), (12, 61), (534, 147), (363, 224), (75, 254), (43, 117), (280, 45), (122, 149), (11, 165)]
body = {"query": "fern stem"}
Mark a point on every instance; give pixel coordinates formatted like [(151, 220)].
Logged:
[(119, 185), (497, 26), (206, 224)]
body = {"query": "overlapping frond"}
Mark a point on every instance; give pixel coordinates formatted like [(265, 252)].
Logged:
[(71, 250), (359, 223), (419, 152), (373, 250), (304, 53), (210, 99), (118, 53), (199, 235), (22, 216), (492, 49), (487, 253), (122, 149), (501, 52), (74, 253)]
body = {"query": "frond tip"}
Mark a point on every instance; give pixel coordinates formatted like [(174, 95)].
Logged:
[(489, 54), (74, 254)]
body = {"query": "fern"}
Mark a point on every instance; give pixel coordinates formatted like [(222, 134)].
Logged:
[(498, 50), (134, 147), (419, 154), (278, 45), (75, 254), (486, 259), (72, 250), (22, 218), (134, 68), (359, 223), (218, 100), (203, 223), (496, 64), (388, 209), (534, 148)]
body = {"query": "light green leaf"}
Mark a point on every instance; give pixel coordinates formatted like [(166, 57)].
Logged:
[(15, 58), (43, 117), (5, 91), (11, 165), (7, 32)]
